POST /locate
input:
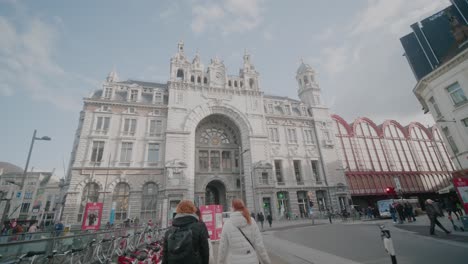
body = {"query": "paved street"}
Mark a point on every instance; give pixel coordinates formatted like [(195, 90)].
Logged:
[(360, 242)]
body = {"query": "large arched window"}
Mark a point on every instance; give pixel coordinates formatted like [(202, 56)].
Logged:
[(217, 145), (149, 201), (120, 197), (90, 195)]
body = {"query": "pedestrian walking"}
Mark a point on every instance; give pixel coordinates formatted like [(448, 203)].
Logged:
[(241, 240), (252, 215), (58, 228), (433, 211), (261, 218), (401, 213), (393, 213), (187, 240), (452, 207), (408, 212), (329, 214), (269, 219)]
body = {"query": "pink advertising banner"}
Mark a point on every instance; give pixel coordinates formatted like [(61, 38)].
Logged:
[(213, 219), (461, 186), (92, 216)]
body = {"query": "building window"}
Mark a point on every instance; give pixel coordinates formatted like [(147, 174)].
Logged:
[(270, 108), (226, 160), (126, 152), (456, 93), (203, 160), (279, 175), (158, 97), (192, 79), (214, 160), (133, 95), (198, 79), (120, 197), (297, 170), (205, 80), (315, 170), (274, 136), (90, 195), (435, 106), (264, 178), (155, 128), (180, 75), (292, 137), (236, 159), (180, 98), (97, 151), (108, 93), (288, 109), (102, 124), (308, 136), (153, 153), (465, 122), (450, 140), (47, 206), (28, 195), (326, 135), (149, 201), (129, 126), (25, 207)]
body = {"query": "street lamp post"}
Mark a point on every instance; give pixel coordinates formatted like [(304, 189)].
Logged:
[(241, 157), (23, 179)]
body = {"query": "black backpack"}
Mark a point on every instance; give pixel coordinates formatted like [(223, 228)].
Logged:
[(180, 245)]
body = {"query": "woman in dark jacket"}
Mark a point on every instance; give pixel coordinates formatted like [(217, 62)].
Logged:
[(186, 225)]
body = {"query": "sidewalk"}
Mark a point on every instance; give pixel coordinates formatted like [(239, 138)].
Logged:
[(274, 258)]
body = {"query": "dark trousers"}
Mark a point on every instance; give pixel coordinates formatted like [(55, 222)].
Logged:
[(434, 222)]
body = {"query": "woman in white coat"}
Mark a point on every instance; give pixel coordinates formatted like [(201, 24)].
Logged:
[(241, 240)]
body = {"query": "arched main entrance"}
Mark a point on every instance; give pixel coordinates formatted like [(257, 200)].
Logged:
[(217, 160), (215, 193)]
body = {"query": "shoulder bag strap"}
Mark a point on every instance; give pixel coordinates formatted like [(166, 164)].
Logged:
[(246, 238)]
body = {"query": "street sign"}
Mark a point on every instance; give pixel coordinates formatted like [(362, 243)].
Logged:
[(397, 183)]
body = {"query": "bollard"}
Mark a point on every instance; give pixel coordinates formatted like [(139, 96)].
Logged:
[(388, 243)]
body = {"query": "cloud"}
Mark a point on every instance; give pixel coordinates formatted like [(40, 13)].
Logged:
[(204, 15), (26, 63), (379, 14), (336, 59), (169, 12), (367, 76), (231, 16)]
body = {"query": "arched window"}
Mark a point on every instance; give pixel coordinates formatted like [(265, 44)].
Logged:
[(180, 74), (229, 83), (90, 195), (120, 197), (205, 80), (198, 79), (235, 83), (192, 79), (306, 80), (241, 84), (149, 201), (251, 83)]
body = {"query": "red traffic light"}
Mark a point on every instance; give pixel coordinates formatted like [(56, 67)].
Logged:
[(390, 190)]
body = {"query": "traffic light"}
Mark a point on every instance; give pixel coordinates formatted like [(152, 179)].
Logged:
[(390, 190)]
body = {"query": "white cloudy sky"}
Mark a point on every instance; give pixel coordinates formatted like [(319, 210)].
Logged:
[(53, 53)]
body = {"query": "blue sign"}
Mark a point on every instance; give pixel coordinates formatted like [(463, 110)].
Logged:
[(112, 216), (18, 195)]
